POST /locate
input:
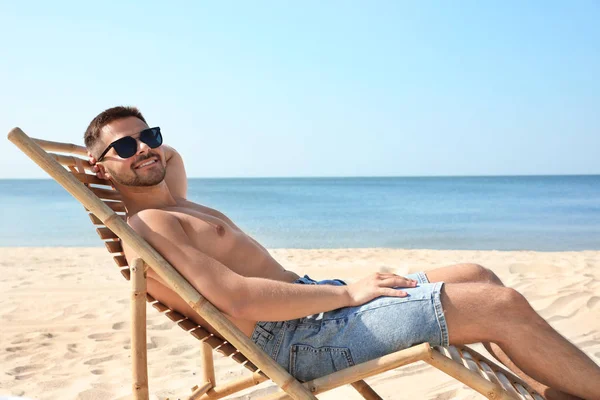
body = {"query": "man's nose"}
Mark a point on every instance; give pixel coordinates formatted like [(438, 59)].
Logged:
[(142, 147)]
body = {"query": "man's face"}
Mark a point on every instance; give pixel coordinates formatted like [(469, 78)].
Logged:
[(145, 168)]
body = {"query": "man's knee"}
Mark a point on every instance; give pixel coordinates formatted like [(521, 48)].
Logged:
[(486, 312), (479, 273), (482, 312), (511, 303)]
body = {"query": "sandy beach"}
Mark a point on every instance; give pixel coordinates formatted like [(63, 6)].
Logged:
[(65, 319)]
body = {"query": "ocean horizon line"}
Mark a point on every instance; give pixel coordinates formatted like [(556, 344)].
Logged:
[(351, 176)]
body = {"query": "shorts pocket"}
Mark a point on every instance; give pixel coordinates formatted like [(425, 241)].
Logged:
[(307, 362)]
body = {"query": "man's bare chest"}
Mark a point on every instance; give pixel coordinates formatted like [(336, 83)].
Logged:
[(210, 233), (215, 235)]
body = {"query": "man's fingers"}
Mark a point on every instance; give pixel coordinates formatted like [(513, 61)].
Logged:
[(398, 281), (91, 159), (393, 292), (386, 274)]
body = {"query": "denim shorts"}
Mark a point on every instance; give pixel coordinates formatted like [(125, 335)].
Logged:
[(317, 345)]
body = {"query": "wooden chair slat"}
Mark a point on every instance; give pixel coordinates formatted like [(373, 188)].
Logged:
[(489, 373), (251, 366), (523, 392), (470, 363), (106, 233), (213, 342), (71, 161), (126, 273), (239, 357), (106, 194), (174, 316), (69, 148), (187, 325), (455, 354), (121, 261), (91, 179), (150, 299), (444, 351), (160, 306), (226, 349), (114, 246), (116, 206), (506, 384), (200, 333), (484, 363), (97, 221)]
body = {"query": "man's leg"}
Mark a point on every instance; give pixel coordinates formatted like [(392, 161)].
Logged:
[(473, 273), (469, 272), (463, 273), (483, 312)]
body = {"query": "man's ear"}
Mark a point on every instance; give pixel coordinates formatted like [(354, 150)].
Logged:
[(103, 172)]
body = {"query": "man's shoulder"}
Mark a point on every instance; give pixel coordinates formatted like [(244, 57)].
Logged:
[(151, 219)]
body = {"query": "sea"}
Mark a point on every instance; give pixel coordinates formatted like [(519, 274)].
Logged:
[(540, 213)]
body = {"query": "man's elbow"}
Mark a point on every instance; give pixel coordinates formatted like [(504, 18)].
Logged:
[(229, 306), (243, 310), (236, 310), (243, 307), (236, 303)]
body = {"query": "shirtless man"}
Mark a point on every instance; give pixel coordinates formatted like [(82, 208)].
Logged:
[(314, 328)]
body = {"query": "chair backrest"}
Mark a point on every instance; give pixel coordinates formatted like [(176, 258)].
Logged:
[(74, 159)]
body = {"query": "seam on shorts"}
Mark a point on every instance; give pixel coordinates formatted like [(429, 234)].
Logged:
[(278, 339), (439, 314), (422, 277)]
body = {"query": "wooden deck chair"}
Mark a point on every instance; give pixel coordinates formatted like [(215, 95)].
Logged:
[(68, 167)]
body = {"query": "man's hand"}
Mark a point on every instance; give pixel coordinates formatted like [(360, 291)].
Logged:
[(376, 285), (92, 160)]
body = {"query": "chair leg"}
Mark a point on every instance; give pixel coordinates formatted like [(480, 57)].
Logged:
[(208, 372), (139, 354), (234, 386), (365, 390), (198, 391), (206, 363)]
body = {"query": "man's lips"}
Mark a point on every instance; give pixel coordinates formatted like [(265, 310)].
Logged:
[(146, 163)]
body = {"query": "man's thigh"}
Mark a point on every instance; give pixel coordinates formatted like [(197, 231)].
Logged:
[(476, 312), (462, 273)]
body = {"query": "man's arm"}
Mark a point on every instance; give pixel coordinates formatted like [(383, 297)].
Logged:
[(176, 177), (251, 298)]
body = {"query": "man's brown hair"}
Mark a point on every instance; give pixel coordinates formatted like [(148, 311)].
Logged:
[(92, 133)]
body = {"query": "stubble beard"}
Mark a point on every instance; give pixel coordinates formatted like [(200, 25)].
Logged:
[(150, 179)]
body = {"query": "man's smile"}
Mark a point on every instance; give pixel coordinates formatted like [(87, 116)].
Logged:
[(146, 163)]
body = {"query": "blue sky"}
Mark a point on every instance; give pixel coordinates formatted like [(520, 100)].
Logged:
[(337, 88)]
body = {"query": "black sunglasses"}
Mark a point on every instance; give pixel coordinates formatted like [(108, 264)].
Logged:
[(127, 146)]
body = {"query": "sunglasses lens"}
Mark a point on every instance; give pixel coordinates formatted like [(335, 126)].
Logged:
[(152, 137), (125, 147)]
